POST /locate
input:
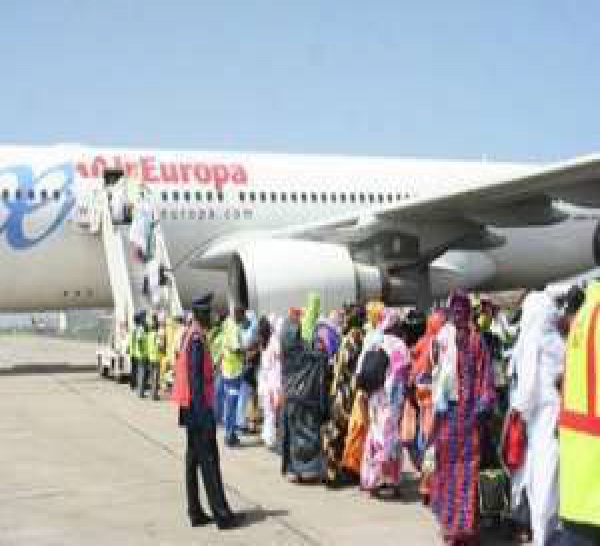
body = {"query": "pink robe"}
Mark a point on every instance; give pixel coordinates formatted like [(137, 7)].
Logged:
[(382, 456)]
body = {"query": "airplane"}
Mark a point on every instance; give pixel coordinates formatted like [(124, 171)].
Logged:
[(263, 230)]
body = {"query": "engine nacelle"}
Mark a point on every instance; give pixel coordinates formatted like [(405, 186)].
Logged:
[(273, 275)]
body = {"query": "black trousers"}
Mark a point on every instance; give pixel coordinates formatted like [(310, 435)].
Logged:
[(133, 373), (202, 451)]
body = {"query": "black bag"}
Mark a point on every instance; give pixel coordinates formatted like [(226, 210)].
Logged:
[(163, 280), (306, 383), (127, 214), (494, 493), (250, 368), (372, 373)]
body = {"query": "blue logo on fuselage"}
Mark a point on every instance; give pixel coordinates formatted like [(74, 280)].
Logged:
[(20, 208)]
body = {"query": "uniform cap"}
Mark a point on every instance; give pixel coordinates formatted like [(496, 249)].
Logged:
[(203, 303)]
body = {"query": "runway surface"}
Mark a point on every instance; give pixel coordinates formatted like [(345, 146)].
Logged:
[(83, 461)]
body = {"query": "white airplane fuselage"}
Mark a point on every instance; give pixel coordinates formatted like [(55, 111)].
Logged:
[(48, 262)]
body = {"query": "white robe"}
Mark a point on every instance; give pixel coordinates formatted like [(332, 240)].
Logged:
[(538, 362), (269, 383)]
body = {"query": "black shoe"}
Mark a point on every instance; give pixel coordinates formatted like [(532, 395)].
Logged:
[(232, 441), (200, 520), (232, 521)]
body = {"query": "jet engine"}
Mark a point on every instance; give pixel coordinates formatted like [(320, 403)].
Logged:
[(596, 244), (272, 275)]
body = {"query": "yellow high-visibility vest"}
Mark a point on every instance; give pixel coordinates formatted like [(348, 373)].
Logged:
[(580, 417), (152, 347), (233, 359)]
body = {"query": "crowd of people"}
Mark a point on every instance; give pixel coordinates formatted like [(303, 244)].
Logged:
[(463, 398), (468, 401)]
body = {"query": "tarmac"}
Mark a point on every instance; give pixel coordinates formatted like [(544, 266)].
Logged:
[(83, 461)]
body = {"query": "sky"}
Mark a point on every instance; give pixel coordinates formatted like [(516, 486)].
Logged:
[(506, 80)]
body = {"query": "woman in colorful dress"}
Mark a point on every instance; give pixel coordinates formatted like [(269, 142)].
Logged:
[(357, 434), (463, 393), (382, 457), (421, 380), (342, 392)]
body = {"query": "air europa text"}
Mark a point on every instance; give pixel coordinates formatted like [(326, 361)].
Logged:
[(151, 170)]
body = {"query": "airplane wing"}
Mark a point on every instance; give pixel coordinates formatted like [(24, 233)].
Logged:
[(521, 201), (451, 219)]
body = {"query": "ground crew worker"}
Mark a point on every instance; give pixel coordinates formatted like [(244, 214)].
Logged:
[(194, 394), (142, 344), (133, 350), (580, 427), (154, 356), (233, 365), (165, 340)]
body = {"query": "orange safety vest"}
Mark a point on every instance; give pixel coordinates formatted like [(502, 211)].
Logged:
[(580, 418), (182, 394)]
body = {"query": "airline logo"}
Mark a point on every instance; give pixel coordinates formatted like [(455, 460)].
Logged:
[(25, 222), (152, 170), (20, 222)]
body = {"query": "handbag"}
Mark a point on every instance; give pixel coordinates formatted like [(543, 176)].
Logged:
[(514, 442)]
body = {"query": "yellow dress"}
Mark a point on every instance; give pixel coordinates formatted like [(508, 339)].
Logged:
[(357, 434)]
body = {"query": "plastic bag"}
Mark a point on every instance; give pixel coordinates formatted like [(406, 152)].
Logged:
[(153, 270), (137, 233)]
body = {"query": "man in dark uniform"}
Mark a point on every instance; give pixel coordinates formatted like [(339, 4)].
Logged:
[(194, 393)]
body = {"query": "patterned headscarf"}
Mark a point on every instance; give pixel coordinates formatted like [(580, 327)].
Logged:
[(374, 312), (460, 309), (290, 337), (389, 317), (354, 317), (328, 335), (423, 347)]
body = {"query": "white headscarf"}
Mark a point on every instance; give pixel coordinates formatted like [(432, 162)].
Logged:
[(444, 373), (539, 318), (269, 377)]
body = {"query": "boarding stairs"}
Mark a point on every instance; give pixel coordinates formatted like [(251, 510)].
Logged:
[(130, 279)]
